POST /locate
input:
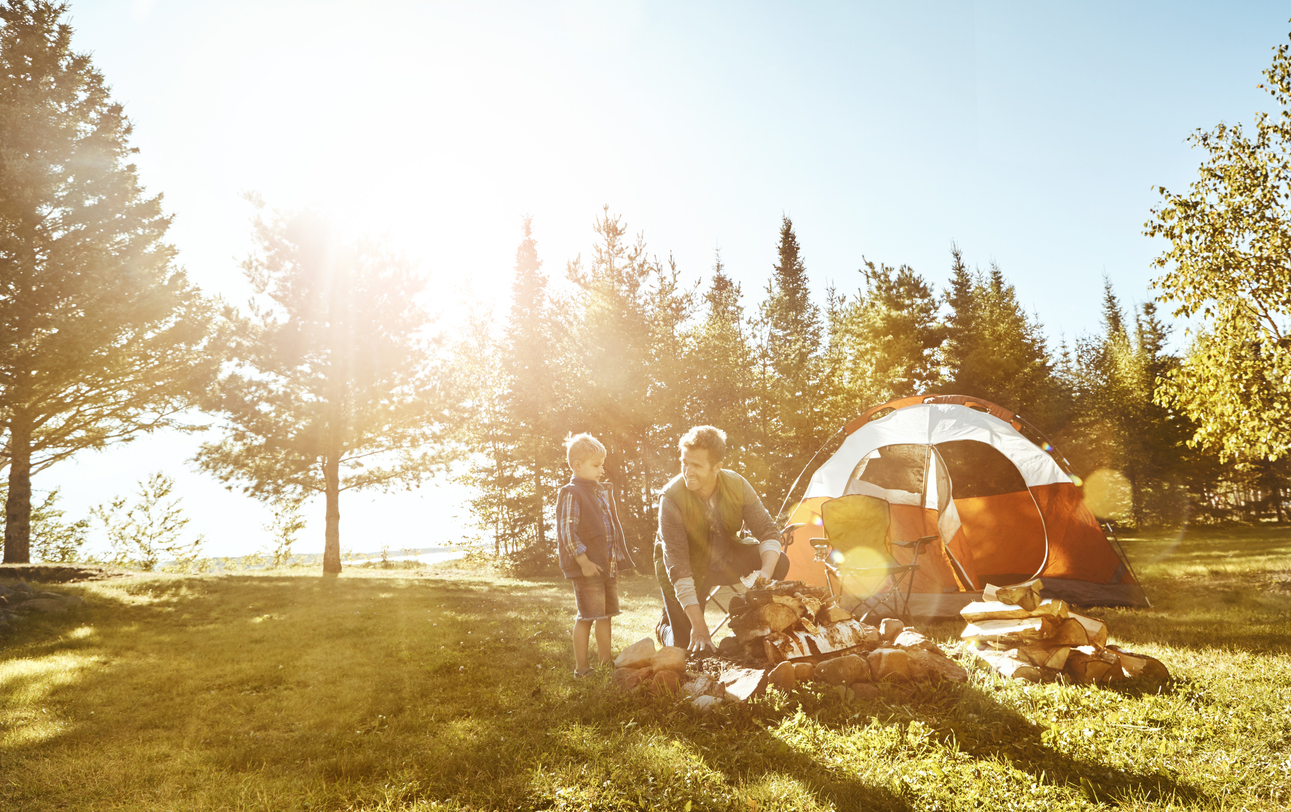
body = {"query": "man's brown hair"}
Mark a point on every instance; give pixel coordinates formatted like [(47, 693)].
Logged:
[(707, 438)]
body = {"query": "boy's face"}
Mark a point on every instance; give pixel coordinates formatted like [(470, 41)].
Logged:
[(699, 472), (593, 469)]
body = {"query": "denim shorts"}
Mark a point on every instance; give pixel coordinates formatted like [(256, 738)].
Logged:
[(597, 598)]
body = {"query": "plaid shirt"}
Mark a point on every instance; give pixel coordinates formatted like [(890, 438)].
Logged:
[(568, 514)]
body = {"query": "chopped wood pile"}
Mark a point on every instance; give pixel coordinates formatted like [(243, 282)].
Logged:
[(1023, 636), (785, 633)]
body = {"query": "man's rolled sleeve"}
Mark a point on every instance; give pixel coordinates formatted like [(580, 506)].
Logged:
[(758, 521), (676, 552)]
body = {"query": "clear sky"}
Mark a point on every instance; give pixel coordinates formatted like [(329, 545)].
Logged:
[(1031, 134)]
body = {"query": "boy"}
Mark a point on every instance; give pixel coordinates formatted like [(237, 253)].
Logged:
[(591, 547)]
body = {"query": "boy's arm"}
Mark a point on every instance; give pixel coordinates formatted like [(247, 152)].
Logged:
[(567, 515)]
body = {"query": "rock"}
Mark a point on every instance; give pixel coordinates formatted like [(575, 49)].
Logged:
[(804, 672), (890, 628), (629, 679), (665, 682), (843, 670), (705, 703), (783, 676), (865, 691), (44, 606), (889, 664), (911, 638), (742, 683), (701, 684), (669, 658), (636, 655), (927, 665)]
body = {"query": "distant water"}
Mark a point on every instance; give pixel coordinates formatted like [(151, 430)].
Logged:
[(425, 555)]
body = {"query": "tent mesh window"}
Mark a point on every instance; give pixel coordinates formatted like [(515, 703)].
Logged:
[(977, 469)]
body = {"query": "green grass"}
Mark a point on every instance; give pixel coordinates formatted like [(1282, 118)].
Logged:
[(451, 690)]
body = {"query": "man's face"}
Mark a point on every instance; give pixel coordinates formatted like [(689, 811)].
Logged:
[(699, 472)]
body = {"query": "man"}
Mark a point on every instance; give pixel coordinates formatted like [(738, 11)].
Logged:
[(701, 514)]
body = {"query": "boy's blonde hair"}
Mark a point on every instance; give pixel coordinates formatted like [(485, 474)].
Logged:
[(580, 447)]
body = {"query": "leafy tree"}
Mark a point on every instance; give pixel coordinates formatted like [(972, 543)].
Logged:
[(334, 383), (283, 527), (1226, 266), (101, 335), (53, 538), (149, 531)]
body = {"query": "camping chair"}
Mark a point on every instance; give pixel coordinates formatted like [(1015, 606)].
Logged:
[(857, 526)]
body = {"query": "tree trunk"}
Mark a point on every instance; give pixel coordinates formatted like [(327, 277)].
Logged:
[(332, 534), (17, 527), (537, 504)]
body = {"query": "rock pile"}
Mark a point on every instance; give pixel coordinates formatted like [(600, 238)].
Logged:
[(784, 634), (18, 600), (1023, 636)]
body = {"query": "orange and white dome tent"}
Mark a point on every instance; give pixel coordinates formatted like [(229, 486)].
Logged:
[(1003, 508)]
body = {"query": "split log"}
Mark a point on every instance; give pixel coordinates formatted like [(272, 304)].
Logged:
[(792, 602), (1026, 594), (832, 613), (1070, 632), (793, 645), (1096, 629), (1046, 656), (1023, 630), (1141, 666), (1090, 665), (998, 610), (1011, 667)]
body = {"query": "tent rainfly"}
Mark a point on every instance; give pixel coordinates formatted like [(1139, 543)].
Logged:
[(1003, 508)]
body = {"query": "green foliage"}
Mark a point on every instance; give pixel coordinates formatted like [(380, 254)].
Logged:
[(283, 527), (54, 540), (149, 531), (101, 334), (333, 384), (1226, 266)]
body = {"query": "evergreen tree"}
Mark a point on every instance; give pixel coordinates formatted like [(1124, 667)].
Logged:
[(101, 335), (994, 350), (625, 327), (532, 377), (334, 385), (791, 338), (719, 378)]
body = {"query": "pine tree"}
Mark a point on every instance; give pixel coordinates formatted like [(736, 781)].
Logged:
[(335, 385), (791, 347), (101, 335)]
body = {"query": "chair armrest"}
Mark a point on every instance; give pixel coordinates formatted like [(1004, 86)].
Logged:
[(920, 543)]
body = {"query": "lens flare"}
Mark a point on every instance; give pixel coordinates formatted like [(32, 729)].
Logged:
[(1108, 494)]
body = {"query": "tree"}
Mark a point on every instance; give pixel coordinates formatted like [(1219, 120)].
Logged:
[(1227, 264), (531, 357), (790, 337), (101, 335), (993, 349), (719, 385), (333, 385), (150, 531)]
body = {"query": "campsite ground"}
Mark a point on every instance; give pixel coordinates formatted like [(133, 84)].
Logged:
[(451, 689)]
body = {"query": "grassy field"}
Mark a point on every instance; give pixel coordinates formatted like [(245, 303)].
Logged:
[(452, 689)]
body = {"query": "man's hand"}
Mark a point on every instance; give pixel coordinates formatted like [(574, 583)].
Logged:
[(701, 642), (770, 558), (590, 569)]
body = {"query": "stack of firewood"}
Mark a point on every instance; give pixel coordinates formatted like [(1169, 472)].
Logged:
[(1023, 636), (791, 620)]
